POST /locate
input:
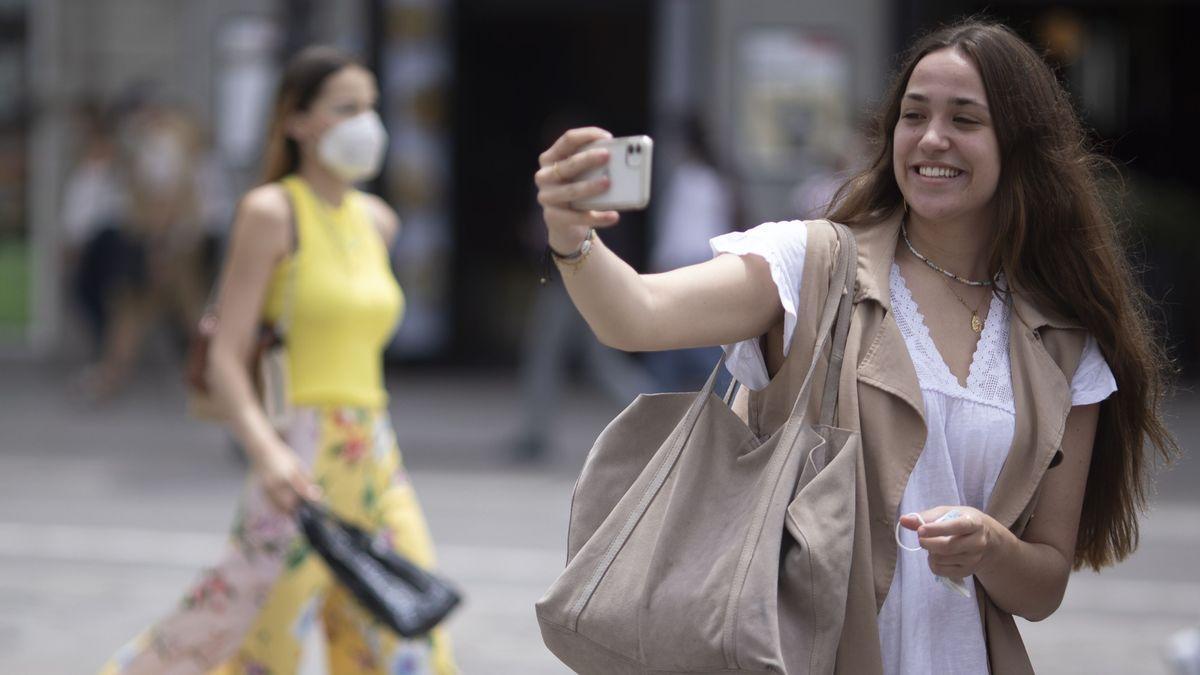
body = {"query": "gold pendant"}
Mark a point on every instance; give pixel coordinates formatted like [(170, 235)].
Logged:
[(976, 323)]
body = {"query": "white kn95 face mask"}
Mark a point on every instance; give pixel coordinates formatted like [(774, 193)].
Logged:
[(353, 148)]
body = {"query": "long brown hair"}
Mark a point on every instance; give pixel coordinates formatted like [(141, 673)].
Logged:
[(301, 84), (1057, 242)]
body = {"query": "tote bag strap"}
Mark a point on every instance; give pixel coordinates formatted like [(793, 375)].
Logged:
[(829, 398), (284, 325), (837, 307), (838, 296), (838, 304), (842, 295)]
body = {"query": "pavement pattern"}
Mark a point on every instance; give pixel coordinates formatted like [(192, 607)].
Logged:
[(106, 514)]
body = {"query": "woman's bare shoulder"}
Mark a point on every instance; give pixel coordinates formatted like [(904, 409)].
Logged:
[(265, 215), (383, 216), (267, 202)]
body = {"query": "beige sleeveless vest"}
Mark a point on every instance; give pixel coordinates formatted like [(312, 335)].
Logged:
[(1044, 351)]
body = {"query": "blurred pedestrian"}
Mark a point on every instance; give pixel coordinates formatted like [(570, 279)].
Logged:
[(147, 199), (998, 359), (813, 196), (95, 205), (698, 205), (555, 337), (308, 251)]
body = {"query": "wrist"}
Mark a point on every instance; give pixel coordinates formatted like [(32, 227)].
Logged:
[(999, 544), (573, 261), (568, 245), (266, 452)]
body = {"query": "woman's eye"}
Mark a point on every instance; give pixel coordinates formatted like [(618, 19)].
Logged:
[(965, 120), (911, 115)]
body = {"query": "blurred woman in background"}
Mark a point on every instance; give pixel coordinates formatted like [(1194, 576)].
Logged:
[(309, 253)]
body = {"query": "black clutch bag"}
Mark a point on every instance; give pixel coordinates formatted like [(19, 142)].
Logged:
[(399, 594)]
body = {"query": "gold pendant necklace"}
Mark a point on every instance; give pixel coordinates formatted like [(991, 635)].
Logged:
[(976, 322)]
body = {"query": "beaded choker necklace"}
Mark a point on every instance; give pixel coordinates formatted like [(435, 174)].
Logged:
[(933, 265)]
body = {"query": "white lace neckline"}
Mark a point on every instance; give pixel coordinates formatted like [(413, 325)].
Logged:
[(988, 379)]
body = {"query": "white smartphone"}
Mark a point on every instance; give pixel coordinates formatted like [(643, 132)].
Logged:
[(629, 170)]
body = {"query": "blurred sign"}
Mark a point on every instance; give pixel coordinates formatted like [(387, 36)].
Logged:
[(246, 77), (416, 72), (792, 104)]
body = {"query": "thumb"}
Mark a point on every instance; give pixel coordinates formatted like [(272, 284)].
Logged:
[(305, 487), (911, 521)]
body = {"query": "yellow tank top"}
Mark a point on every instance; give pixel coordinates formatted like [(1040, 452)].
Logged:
[(344, 305)]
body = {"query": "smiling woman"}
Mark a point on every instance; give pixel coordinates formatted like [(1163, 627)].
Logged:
[(946, 156), (1003, 369), (979, 145)]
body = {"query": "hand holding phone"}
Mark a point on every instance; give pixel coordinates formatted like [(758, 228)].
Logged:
[(628, 170)]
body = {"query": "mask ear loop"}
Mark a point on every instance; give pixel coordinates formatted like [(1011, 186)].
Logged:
[(900, 543)]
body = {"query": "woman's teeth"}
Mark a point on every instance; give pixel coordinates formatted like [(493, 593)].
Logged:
[(937, 172)]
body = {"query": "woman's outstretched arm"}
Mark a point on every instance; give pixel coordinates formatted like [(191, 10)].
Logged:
[(724, 300)]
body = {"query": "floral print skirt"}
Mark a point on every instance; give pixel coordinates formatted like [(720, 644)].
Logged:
[(252, 613)]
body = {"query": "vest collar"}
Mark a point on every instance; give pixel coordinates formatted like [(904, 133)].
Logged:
[(1041, 393), (876, 252)]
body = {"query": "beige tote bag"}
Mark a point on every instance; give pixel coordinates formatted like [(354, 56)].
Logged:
[(696, 547)]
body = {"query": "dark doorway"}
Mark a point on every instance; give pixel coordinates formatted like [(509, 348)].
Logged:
[(523, 67)]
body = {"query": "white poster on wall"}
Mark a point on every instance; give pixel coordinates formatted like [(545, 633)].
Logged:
[(246, 78), (792, 105)]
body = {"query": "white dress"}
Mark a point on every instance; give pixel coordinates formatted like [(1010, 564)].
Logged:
[(924, 627)]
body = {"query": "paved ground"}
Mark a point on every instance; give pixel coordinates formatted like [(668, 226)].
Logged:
[(105, 516)]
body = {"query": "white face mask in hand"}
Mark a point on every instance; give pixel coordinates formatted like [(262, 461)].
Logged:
[(958, 585), (353, 149)]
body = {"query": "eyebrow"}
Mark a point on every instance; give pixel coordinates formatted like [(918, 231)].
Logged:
[(957, 100)]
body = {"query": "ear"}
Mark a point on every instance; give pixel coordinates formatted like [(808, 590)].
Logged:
[(297, 126)]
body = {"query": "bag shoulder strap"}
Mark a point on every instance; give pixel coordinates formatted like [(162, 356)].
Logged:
[(829, 397), (838, 304), (292, 191)]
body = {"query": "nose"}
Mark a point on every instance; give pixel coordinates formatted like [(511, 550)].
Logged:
[(933, 140)]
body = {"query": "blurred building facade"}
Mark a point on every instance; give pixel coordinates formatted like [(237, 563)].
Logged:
[(215, 60), (468, 87)]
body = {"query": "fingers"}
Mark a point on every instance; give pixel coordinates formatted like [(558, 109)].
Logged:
[(558, 217), (566, 170), (967, 523), (925, 518), (304, 487), (948, 537), (286, 491), (564, 195), (559, 187), (965, 560), (950, 546), (957, 545), (283, 497), (570, 143), (931, 515), (952, 570)]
